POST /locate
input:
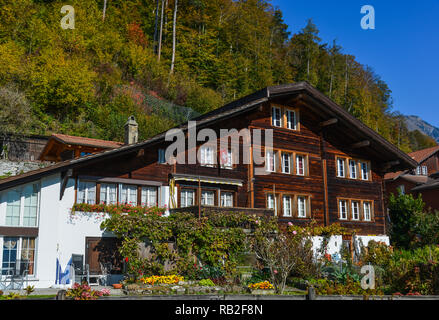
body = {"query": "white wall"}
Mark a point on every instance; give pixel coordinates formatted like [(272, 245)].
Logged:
[(45, 260)]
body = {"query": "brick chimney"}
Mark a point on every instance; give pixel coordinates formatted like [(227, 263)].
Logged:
[(131, 131)]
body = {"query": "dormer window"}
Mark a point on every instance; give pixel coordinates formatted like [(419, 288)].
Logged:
[(285, 117), (291, 119), (207, 156), (276, 117), (341, 167), (364, 171)]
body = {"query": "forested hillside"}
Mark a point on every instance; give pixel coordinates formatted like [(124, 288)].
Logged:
[(166, 61)]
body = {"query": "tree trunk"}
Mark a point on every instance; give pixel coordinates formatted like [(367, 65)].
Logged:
[(105, 9), (156, 25), (174, 36), (161, 32)]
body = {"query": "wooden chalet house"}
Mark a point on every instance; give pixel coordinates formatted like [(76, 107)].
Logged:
[(323, 164), (423, 180), (61, 147)]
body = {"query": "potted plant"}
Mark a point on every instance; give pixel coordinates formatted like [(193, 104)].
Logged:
[(117, 285)]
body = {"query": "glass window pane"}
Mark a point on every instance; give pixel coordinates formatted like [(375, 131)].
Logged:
[(149, 196), (207, 198), (30, 205), (91, 192), (13, 208), (81, 192), (300, 165), (355, 210), (301, 203), (286, 159), (10, 247), (27, 255), (364, 171), (353, 169), (226, 199), (287, 206)]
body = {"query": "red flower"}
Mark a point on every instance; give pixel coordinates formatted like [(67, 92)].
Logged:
[(126, 259)]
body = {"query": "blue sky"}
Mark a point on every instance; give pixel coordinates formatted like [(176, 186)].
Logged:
[(403, 49)]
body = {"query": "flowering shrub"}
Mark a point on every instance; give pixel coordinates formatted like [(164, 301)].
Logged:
[(172, 279), (105, 292), (265, 285), (83, 292)]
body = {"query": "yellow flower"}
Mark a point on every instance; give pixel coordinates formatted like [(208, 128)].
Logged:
[(265, 285)]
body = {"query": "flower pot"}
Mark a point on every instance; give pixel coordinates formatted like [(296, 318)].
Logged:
[(117, 285)]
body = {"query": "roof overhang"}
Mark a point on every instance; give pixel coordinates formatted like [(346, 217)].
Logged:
[(206, 179)]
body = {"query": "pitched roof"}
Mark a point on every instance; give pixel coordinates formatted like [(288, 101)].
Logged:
[(83, 141), (326, 106), (393, 175), (421, 155)]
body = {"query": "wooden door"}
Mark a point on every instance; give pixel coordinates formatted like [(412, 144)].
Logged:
[(103, 250)]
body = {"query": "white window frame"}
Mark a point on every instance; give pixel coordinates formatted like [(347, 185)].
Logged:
[(287, 205), (146, 194), (184, 197), (298, 162), (353, 168), (229, 156), (89, 185), (272, 202), (342, 203), (364, 174), (291, 121), (276, 122), (23, 205), (270, 160), (302, 212), (367, 216), (424, 170), (207, 156), (108, 189), (284, 167), (127, 189), (226, 199), (205, 197), (355, 214), (20, 251), (341, 170)]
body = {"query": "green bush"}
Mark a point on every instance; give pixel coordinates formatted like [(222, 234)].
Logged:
[(206, 283)]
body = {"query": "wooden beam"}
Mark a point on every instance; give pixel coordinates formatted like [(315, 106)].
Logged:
[(329, 122), (389, 164), (361, 144), (66, 177)]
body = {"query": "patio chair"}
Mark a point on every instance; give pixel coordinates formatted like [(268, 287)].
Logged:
[(18, 280), (82, 272), (6, 275), (105, 273)]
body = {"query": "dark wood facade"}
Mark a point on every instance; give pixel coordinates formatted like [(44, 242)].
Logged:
[(319, 185), (309, 190)]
